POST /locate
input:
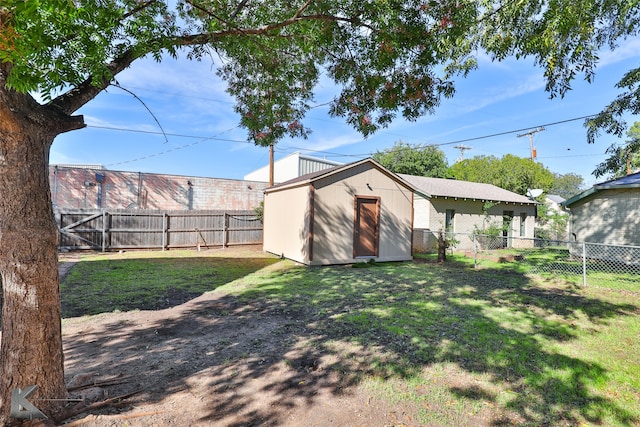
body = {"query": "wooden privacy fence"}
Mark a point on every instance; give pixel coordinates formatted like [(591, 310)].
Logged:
[(145, 229)]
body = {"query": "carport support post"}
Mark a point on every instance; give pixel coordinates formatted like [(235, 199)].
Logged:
[(584, 264)]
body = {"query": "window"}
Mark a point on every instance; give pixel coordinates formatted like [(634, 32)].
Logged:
[(523, 222), (448, 220)]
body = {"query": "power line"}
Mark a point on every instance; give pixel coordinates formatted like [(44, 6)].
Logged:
[(329, 153), (160, 153), (178, 135), (459, 141), (514, 131)]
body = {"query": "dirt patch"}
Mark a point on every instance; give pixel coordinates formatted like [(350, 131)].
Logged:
[(217, 361)]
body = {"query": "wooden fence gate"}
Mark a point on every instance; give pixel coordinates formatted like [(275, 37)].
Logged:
[(145, 229)]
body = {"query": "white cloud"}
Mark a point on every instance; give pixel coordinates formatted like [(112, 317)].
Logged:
[(626, 50)]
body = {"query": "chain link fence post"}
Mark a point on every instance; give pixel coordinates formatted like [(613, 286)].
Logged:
[(584, 264), (475, 252)]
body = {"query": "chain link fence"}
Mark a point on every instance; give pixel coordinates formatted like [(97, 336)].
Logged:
[(581, 263)]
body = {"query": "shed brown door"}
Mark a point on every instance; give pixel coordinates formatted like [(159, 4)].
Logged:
[(365, 235)]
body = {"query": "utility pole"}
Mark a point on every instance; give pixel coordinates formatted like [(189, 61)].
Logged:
[(462, 149), (271, 165), (530, 134)]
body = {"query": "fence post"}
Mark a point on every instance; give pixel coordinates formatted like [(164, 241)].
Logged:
[(164, 230), (475, 251), (104, 230), (584, 264), (224, 230)]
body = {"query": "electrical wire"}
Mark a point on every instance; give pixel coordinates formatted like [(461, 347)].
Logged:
[(324, 152)]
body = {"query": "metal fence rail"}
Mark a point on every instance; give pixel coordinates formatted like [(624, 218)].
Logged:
[(582, 263), (144, 229)]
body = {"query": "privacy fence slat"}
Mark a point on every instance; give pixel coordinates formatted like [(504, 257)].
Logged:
[(127, 229)]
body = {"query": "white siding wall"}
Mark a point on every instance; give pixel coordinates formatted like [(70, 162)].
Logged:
[(421, 210), (289, 167)]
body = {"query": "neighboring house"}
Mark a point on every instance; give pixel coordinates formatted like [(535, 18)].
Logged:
[(290, 167), (467, 207), (607, 213), (554, 225), (341, 215), (94, 187), (554, 202)]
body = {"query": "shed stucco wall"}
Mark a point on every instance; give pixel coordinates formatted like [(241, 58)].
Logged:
[(334, 215), (286, 223)]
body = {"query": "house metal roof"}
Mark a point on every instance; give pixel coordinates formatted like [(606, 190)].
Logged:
[(555, 198), (628, 181), (439, 187)]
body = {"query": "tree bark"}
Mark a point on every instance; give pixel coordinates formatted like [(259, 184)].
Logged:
[(31, 337)]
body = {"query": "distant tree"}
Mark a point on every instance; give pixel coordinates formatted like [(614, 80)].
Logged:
[(510, 172), (410, 159), (566, 185), (476, 169), (622, 159)]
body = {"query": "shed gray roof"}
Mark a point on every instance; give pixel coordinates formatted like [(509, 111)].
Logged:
[(439, 187), (313, 176)]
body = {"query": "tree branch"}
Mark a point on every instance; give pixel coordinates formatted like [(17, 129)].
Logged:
[(138, 9), (239, 8), (78, 96), (203, 38)]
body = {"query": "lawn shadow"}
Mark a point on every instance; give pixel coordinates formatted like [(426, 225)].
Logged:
[(303, 333), (103, 286)]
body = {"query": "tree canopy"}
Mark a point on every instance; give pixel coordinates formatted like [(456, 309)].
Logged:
[(416, 159), (389, 59), (566, 185), (623, 159), (510, 172)]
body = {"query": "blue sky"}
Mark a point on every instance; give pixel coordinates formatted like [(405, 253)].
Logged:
[(189, 102)]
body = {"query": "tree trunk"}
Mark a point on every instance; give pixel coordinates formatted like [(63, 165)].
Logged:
[(31, 337)]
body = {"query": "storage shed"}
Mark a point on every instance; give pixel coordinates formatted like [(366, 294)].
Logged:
[(345, 214)]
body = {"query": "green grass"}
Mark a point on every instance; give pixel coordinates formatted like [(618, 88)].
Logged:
[(148, 280), (555, 263), (510, 349), (458, 345)]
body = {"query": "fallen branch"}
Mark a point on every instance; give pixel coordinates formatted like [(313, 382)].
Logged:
[(79, 409)]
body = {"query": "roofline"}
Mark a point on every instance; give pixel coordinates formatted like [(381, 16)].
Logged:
[(483, 199), (339, 169), (614, 187), (598, 187), (309, 157), (299, 155)]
